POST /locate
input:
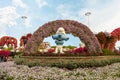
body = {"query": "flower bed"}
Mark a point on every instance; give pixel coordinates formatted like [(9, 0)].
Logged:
[(11, 71), (6, 53), (75, 52)]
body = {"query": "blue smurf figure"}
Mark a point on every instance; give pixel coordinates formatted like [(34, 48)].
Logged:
[(59, 38)]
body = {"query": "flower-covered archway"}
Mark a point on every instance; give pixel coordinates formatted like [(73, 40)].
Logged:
[(70, 26), (116, 34)]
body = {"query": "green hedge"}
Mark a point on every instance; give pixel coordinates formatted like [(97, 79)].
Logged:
[(13, 54), (22, 61), (69, 65), (86, 64)]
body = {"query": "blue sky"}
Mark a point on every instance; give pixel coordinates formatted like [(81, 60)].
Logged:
[(105, 15)]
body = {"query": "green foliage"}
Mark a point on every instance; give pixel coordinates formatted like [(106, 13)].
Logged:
[(33, 63), (108, 52), (70, 47), (9, 48), (68, 65), (53, 46), (85, 64), (13, 54), (22, 61)]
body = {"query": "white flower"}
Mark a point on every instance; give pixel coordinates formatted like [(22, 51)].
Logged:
[(22, 72)]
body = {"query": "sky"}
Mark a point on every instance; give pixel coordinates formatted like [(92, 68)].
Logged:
[(105, 16)]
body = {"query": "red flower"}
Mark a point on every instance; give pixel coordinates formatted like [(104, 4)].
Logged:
[(79, 50), (51, 50), (6, 53)]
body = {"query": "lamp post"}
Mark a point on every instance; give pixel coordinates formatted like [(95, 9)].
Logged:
[(24, 19), (88, 14)]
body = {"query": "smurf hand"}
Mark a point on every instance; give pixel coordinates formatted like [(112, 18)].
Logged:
[(53, 37), (66, 39)]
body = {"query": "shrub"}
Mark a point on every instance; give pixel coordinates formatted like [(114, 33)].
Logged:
[(84, 64), (108, 52), (71, 65), (20, 61), (29, 63), (68, 65), (33, 63)]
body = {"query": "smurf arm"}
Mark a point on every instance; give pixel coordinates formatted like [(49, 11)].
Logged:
[(66, 39), (54, 36)]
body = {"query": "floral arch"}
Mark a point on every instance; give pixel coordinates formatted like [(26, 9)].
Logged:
[(70, 26), (116, 34)]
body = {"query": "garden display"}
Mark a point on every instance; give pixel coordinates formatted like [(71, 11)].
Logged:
[(59, 40)]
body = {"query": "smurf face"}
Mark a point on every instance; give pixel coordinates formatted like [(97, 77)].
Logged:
[(61, 30)]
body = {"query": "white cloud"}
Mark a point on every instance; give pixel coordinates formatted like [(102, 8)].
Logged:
[(65, 12), (93, 3), (41, 3), (19, 3), (8, 16), (2, 31), (105, 15)]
